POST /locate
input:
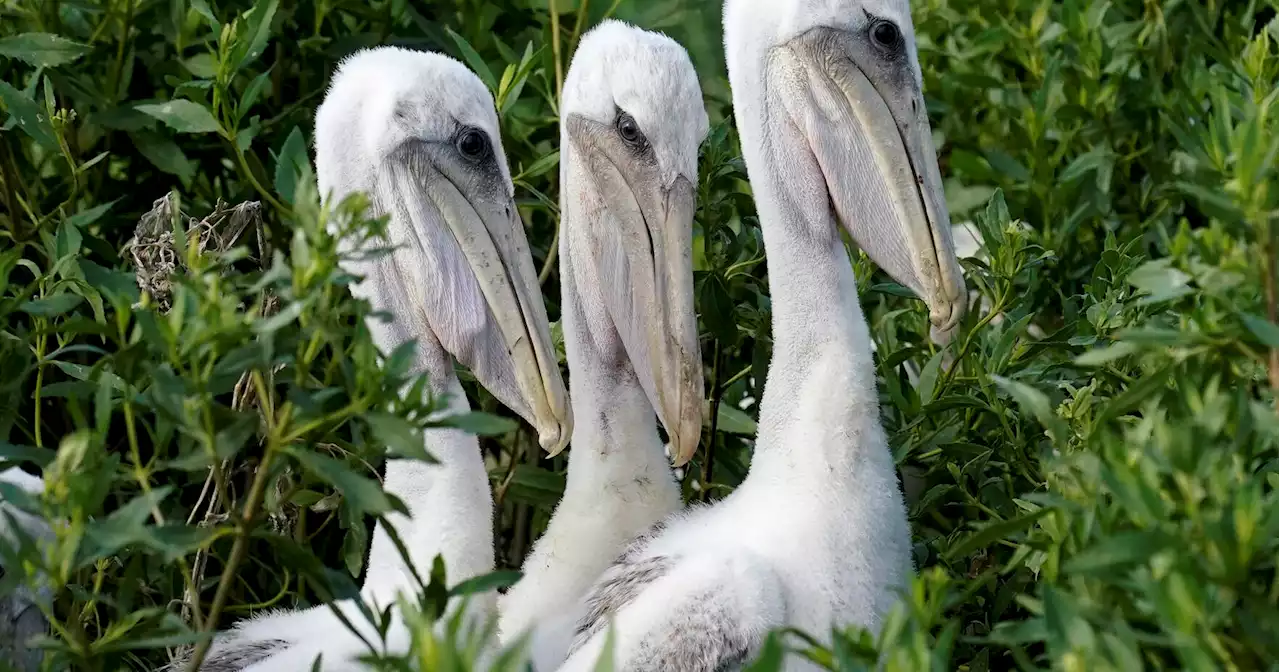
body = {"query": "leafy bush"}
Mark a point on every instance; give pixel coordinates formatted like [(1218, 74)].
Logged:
[(1092, 482)]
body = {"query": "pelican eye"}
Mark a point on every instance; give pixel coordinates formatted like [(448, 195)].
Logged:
[(629, 131), (473, 144), (886, 35)]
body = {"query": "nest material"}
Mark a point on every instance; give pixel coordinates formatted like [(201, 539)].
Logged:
[(156, 258)]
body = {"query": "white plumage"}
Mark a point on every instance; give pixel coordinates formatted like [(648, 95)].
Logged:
[(834, 134), (629, 323), (419, 134)]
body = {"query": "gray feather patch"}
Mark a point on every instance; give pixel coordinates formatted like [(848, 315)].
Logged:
[(235, 655), (619, 585), (701, 636), (21, 620)]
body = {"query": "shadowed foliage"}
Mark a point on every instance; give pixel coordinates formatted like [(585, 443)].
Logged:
[(1092, 485)]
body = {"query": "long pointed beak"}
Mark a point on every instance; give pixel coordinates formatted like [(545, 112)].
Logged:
[(674, 353), (867, 127), (495, 247), (646, 249)]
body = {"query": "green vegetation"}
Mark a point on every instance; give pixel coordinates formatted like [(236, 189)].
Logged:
[(1094, 483)]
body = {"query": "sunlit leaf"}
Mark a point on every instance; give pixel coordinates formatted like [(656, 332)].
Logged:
[(42, 49), (182, 116)]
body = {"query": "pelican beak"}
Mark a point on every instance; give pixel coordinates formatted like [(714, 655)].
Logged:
[(865, 121), (508, 346), (643, 245)]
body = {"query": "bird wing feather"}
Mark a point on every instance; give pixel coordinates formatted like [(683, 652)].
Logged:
[(706, 613)]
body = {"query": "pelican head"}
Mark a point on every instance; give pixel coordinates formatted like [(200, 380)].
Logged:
[(632, 120), (841, 79), (418, 133)]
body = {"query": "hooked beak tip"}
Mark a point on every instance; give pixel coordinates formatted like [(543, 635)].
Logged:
[(945, 319), (554, 437), (683, 450), (685, 433)]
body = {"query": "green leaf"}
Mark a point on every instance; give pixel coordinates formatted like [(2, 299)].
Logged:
[(479, 423), (14, 453), (202, 65), (1160, 280), (1117, 550), (994, 532), (929, 378), (1092, 160), (1068, 630), (257, 29), (182, 116), (110, 281), (733, 420), (511, 95), (361, 495), (770, 656), (534, 485), (30, 117), (604, 662), (87, 217), (67, 241), (291, 160), (201, 7), (486, 582), (542, 165), (1007, 165), (126, 525), (42, 50), (716, 307), (164, 154), (1214, 202), (281, 319), (1100, 356), (473, 60), (1035, 401), (1263, 330), (51, 306), (400, 438), (254, 91)]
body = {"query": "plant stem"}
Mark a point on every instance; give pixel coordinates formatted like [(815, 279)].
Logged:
[(253, 179), (117, 72), (555, 49), (716, 390), (257, 492), (577, 26), (553, 252), (41, 343), (1269, 280)]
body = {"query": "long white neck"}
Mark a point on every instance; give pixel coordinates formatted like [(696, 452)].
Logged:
[(819, 414), (450, 503), (619, 480)]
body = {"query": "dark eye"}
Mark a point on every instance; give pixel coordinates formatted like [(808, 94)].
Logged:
[(630, 130), (886, 35), (473, 144)]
